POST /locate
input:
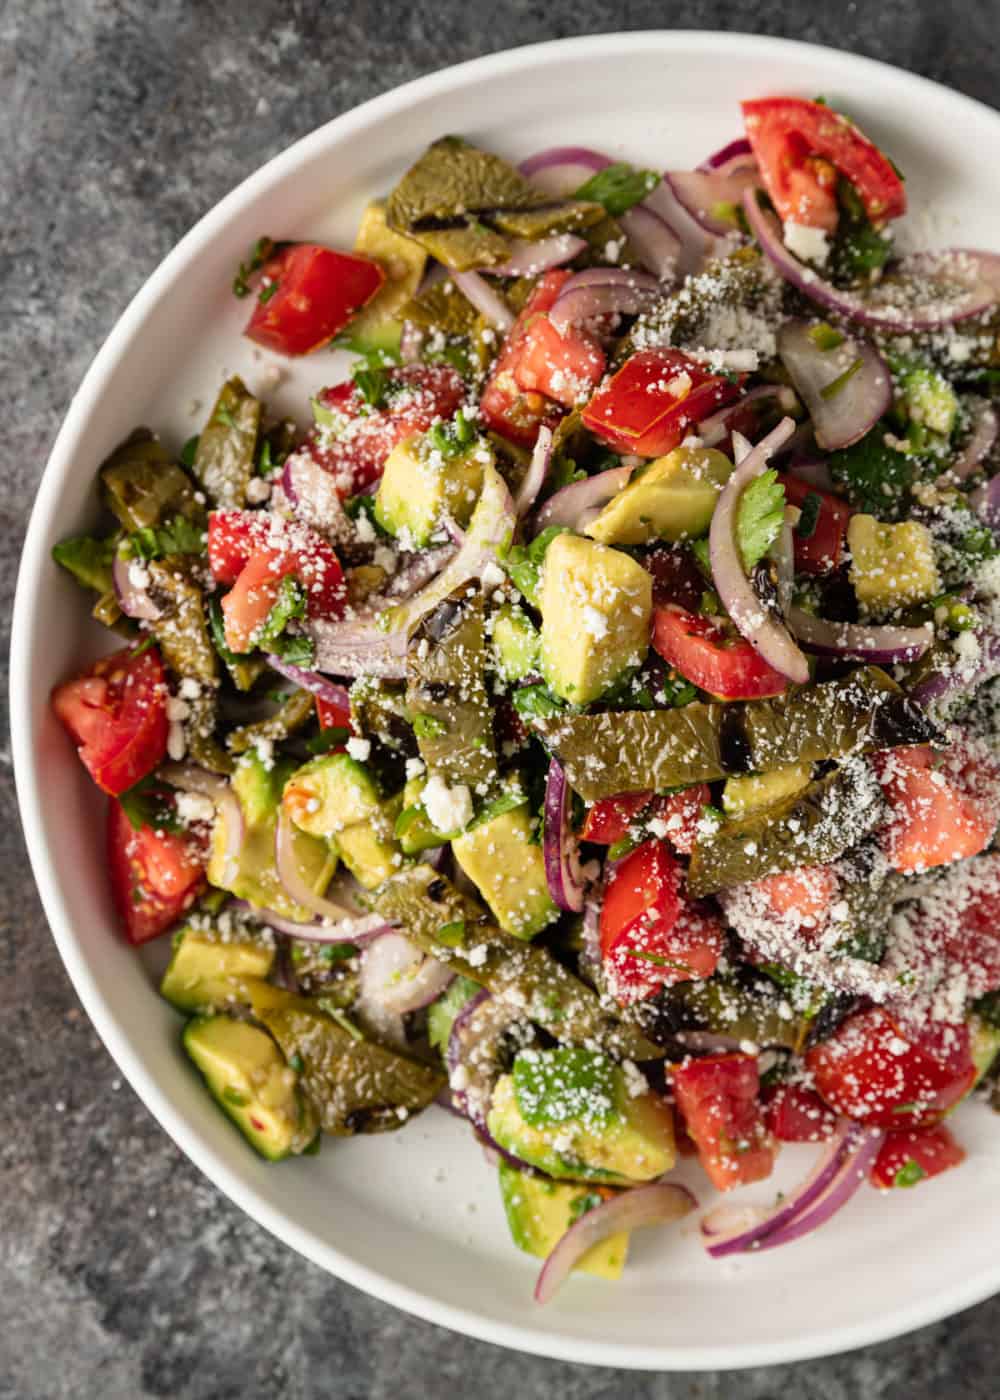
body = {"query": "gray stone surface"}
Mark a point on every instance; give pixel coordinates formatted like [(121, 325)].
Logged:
[(122, 1273)]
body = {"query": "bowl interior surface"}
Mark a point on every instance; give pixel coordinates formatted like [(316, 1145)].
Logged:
[(415, 1217)]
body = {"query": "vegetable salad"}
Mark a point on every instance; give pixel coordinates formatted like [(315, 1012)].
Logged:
[(584, 718)]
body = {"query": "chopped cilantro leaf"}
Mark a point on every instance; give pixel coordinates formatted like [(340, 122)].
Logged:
[(290, 603), (580, 1205), (333, 738), (146, 804), (259, 254), (372, 383), (909, 1174), (452, 439), (536, 702), (809, 516), (523, 562), (618, 187), (876, 476), (177, 536), (189, 451), (760, 517), (441, 1014)]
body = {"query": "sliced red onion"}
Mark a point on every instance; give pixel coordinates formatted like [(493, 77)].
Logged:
[(969, 269), (463, 1039), (783, 554), (359, 928), (708, 1042), (853, 1171), (859, 641), (574, 502), (734, 155), (310, 680), (486, 301), (561, 170), (657, 245), (291, 877), (559, 846), (538, 470), (844, 411), (357, 647), (657, 1204), (618, 291), (726, 1234), (960, 679), (978, 444), (397, 976), (715, 429), (528, 258), (189, 778), (985, 502), (700, 193), (312, 491), (764, 632), (132, 597)]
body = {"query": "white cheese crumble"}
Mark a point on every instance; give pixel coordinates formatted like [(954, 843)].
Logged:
[(810, 244), (450, 809)]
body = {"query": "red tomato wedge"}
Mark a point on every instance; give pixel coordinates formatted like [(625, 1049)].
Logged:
[(507, 408), (300, 553), (794, 1113), (823, 548), (116, 714), (718, 1098), (361, 437), (681, 813), (333, 714), (651, 935), (915, 1155), (869, 1070), (155, 875), (712, 658), (796, 143), (805, 894), (651, 403), (565, 366), (609, 819), (308, 295), (233, 536), (934, 818)]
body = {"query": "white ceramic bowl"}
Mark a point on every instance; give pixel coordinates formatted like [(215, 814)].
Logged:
[(415, 1218)]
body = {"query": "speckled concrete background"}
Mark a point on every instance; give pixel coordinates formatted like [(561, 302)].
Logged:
[(122, 1272)]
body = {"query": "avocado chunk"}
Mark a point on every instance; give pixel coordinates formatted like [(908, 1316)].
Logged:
[(539, 1213), (927, 399), (369, 848), (421, 485), (247, 1075), (357, 1085), (330, 793), (208, 966), (255, 879), (596, 604), (507, 867), (377, 325), (515, 643), (741, 796), (671, 498), (984, 1045), (892, 566), (569, 1113)]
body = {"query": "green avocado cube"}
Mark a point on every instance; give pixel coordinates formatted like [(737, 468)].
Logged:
[(249, 1079), (671, 498), (539, 1213), (421, 485), (377, 325), (593, 1130), (596, 605), (892, 566), (207, 966), (505, 863), (515, 643)]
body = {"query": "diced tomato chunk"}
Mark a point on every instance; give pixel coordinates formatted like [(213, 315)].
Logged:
[(609, 819), (308, 295), (563, 366), (801, 146), (794, 1113), (712, 658), (648, 406), (355, 446), (805, 894), (934, 818), (914, 1155), (233, 535), (333, 712), (505, 407), (680, 813), (872, 1070), (116, 714), (822, 549), (718, 1097), (651, 935), (304, 555), (155, 875)]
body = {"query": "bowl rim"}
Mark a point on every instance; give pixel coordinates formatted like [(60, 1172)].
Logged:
[(34, 559)]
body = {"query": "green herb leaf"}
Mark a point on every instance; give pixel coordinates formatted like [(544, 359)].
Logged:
[(909, 1174), (876, 476), (189, 450), (451, 439), (88, 559), (259, 254), (536, 702), (618, 187), (266, 293), (146, 803), (177, 536), (441, 1014), (295, 648), (372, 383), (290, 603), (333, 738), (523, 563), (580, 1205), (759, 518), (809, 516)]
